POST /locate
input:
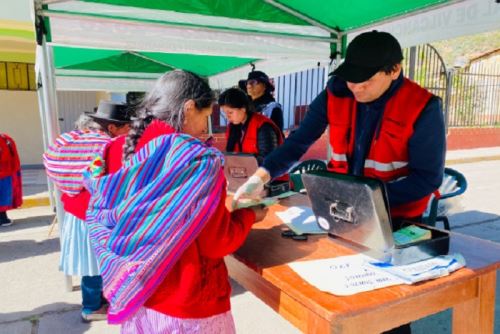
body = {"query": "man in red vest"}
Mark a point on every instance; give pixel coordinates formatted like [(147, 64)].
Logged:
[(381, 125)]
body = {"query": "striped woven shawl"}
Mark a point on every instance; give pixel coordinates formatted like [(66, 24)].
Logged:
[(68, 157), (145, 215)]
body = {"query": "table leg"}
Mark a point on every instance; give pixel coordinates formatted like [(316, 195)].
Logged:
[(477, 315)]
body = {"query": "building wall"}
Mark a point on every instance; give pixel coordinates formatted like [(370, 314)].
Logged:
[(20, 119)]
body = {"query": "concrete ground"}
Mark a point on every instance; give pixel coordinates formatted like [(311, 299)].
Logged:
[(33, 298)]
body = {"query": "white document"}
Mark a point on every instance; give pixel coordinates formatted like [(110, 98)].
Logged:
[(348, 275), (301, 220)]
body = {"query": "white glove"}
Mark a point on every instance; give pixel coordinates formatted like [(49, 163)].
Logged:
[(250, 189)]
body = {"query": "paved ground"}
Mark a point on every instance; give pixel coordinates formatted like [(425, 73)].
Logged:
[(33, 299)]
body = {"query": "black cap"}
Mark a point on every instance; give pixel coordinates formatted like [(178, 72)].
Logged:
[(111, 111), (367, 54), (260, 77)]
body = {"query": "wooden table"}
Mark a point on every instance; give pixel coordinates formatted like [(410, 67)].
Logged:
[(261, 266)]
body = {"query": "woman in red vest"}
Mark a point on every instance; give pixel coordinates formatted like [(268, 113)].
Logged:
[(10, 178), (248, 131)]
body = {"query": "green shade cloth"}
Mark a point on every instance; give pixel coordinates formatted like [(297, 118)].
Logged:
[(142, 62)]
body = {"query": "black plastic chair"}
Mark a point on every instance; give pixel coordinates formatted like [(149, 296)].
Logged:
[(304, 167), (454, 184)]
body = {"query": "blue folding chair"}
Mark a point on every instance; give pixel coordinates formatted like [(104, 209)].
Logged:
[(454, 184)]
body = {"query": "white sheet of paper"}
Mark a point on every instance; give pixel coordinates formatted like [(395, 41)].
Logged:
[(301, 220), (347, 275)]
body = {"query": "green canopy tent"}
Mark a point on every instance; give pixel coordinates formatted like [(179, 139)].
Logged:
[(278, 36), (122, 45)]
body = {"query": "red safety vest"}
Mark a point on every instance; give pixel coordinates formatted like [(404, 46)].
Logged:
[(387, 159), (249, 144)]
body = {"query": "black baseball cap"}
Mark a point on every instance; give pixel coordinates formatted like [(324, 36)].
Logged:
[(367, 54)]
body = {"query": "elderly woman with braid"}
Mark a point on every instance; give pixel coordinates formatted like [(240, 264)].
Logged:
[(159, 223)]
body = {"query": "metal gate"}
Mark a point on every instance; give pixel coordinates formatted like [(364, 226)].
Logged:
[(424, 65), (475, 95), (296, 91)]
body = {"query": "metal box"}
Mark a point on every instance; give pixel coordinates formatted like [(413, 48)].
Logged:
[(238, 167), (356, 209)]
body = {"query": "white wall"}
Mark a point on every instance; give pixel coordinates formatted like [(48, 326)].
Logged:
[(20, 119)]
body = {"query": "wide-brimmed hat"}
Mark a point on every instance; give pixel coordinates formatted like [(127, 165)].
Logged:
[(260, 77), (367, 54), (112, 112)]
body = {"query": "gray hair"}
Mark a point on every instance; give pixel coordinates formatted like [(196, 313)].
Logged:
[(85, 122)]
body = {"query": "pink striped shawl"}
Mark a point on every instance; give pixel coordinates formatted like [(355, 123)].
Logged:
[(145, 215), (70, 154)]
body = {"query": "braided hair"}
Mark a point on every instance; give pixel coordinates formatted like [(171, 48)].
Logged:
[(165, 102)]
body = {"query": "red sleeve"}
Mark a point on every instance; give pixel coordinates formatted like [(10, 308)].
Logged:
[(226, 231), (113, 154), (76, 205)]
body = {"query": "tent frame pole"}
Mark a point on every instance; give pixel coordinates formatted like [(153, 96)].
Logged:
[(301, 16), (49, 114), (101, 18)]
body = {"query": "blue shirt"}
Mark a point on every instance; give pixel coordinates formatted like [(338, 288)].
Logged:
[(426, 147)]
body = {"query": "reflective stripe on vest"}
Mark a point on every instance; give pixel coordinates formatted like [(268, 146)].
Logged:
[(387, 158), (385, 167), (339, 157)]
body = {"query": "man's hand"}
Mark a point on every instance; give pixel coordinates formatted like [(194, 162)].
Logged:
[(252, 188)]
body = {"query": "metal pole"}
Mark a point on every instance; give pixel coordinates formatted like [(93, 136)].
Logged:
[(49, 119), (411, 68), (447, 97), (329, 150)]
